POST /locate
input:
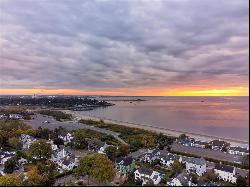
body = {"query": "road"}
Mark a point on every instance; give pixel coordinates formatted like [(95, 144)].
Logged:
[(70, 125)]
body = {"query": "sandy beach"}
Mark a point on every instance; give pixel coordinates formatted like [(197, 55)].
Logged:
[(201, 137)]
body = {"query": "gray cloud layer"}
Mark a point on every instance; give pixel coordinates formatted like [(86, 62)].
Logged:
[(123, 43)]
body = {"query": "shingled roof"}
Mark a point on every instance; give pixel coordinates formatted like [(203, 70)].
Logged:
[(222, 167)]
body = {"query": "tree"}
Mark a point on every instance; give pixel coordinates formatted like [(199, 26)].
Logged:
[(36, 178), (224, 149), (194, 178), (80, 141), (111, 152), (210, 176), (123, 150), (241, 181), (177, 167), (40, 150), (97, 166), (15, 143), (208, 146), (182, 136), (58, 141), (135, 145), (163, 141), (245, 160), (10, 165), (148, 140), (10, 180)]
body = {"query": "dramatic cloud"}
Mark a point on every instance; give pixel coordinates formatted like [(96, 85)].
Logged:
[(129, 44)]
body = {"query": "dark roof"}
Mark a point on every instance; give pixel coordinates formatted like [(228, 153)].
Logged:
[(95, 142), (146, 171), (219, 143), (126, 160), (171, 157), (197, 161), (224, 168), (184, 178)]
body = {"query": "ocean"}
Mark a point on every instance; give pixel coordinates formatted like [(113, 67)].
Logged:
[(226, 117)]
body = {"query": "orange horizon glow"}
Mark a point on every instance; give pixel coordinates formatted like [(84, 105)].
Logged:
[(230, 91)]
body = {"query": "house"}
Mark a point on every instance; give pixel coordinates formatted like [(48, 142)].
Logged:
[(6, 155), (67, 163), (3, 116), (53, 146), (183, 179), (96, 145), (218, 144), (199, 144), (60, 154), (169, 159), (66, 138), (147, 175), (197, 165), (238, 151), (125, 165), (186, 141), (226, 173), (26, 140), (151, 155), (15, 116)]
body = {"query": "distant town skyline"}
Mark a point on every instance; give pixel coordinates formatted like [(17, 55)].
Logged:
[(137, 48)]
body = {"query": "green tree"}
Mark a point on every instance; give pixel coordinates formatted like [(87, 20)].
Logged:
[(241, 181), (245, 160), (208, 146), (210, 176), (10, 165), (182, 136), (111, 152), (224, 149), (15, 143), (177, 167), (10, 180), (97, 166), (39, 150), (194, 178)]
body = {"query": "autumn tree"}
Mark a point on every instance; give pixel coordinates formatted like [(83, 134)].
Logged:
[(10, 180), (123, 150), (40, 150), (97, 166), (36, 178)]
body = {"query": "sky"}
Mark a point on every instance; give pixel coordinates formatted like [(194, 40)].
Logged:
[(124, 47)]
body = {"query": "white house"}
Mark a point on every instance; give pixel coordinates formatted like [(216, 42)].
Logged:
[(151, 155), (15, 116), (218, 144), (169, 159), (199, 144), (54, 147), (226, 173), (147, 175), (27, 140), (7, 155), (60, 154), (183, 179), (197, 165), (96, 145), (67, 138), (67, 163), (238, 151)]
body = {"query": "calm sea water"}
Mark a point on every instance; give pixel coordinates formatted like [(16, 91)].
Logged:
[(217, 116)]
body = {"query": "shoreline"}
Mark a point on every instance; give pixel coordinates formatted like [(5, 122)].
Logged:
[(165, 131)]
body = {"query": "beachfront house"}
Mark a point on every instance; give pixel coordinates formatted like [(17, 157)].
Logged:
[(238, 151), (169, 159), (196, 165), (226, 173), (218, 145), (186, 141), (125, 165), (148, 176), (96, 145), (183, 179), (199, 144), (151, 155)]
